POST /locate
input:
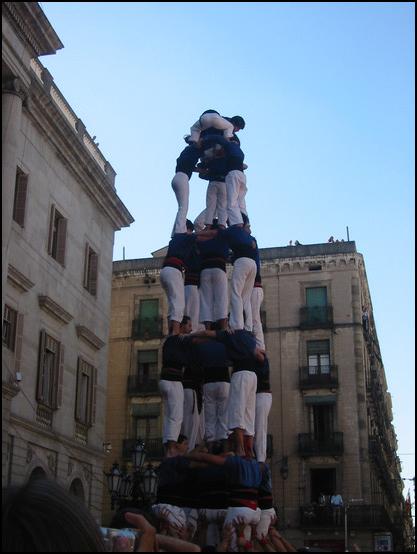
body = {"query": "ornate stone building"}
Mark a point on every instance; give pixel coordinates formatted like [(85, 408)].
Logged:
[(60, 213), (331, 419)]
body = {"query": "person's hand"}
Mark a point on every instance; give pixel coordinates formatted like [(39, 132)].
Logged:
[(147, 540), (240, 525)]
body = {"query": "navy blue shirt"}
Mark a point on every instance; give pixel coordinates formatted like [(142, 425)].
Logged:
[(179, 250), (244, 472), (193, 267), (234, 153), (187, 160), (175, 356), (262, 375), (214, 252), (241, 242), (210, 353), (240, 347), (217, 169), (172, 475)]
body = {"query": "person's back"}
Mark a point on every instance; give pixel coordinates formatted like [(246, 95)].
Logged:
[(41, 516)]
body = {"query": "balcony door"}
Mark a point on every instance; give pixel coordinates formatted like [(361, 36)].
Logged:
[(322, 482), (316, 301), (147, 367), (322, 422), (318, 354)]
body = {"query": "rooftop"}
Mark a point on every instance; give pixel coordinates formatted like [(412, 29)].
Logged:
[(277, 252)]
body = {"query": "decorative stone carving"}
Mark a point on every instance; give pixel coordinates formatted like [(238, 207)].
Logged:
[(14, 85), (70, 468), (88, 336), (29, 454), (18, 280), (87, 472), (51, 462), (54, 309)]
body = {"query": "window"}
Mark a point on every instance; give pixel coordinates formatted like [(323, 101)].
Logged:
[(9, 327), (147, 428), (90, 270), (20, 192), (85, 393), (322, 421), (50, 372), (318, 355), (316, 297), (148, 324), (147, 366), (57, 236)]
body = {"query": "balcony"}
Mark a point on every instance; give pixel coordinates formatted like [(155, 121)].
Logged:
[(147, 328), (325, 377), (316, 317), (153, 447), (365, 516), (329, 445), (137, 386)]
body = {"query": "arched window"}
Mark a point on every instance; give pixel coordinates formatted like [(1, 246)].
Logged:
[(77, 489), (38, 473)]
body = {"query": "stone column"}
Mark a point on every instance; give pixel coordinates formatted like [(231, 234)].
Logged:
[(12, 99)]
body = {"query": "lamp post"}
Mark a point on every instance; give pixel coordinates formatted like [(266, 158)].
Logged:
[(141, 484), (347, 506)]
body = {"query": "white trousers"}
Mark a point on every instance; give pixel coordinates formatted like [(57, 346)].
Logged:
[(249, 516), (213, 294), (211, 120), (191, 418), (216, 206), (242, 401), (257, 297), (192, 305), (173, 284), (175, 514), (243, 278), (181, 186), (262, 409), (214, 518), (264, 522), (216, 396), (236, 191), (172, 393)]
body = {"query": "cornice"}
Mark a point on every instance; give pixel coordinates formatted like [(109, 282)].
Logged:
[(89, 337), (9, 390), (40, 431), (18, 280), (32, 26), (74, 153), (54, 309)]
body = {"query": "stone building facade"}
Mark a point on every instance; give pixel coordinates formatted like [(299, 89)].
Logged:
[(60, 212), (331, 418)]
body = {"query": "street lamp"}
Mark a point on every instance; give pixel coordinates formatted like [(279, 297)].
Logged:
[(140, 485), (114, 481)]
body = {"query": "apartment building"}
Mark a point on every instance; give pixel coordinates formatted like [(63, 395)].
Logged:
[(60, 212), (330, 426)]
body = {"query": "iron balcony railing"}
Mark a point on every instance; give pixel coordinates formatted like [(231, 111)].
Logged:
[(316, 317), (153, 448), (147, 328), (318, 377), (330, 444), (137, 386), (365, 516)]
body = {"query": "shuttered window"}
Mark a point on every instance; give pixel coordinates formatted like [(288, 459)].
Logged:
[(90, 270), (316, 297), (9, 327), (57, 235), (147, 366), (147, 427), (19, 204), (50, 371), (85, 403)]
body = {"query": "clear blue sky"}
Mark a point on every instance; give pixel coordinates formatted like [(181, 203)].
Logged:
[(327, 92)]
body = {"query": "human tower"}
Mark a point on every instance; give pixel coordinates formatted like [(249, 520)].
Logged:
[(212, 329)]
